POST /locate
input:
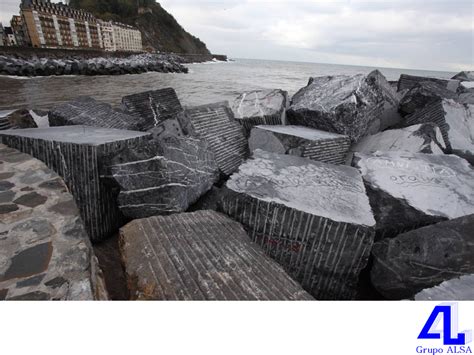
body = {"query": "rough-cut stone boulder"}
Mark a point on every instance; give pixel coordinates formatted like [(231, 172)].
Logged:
[(456, 122), (215, 123), (409, 190), (261, 107), (18, 119), (153, 107), (161, 176), (311, 217), (391, 100), (40, 117), (45, 253), (393, 84), (423, 138), (200, 256), (409, 81), (423, 258), (464, 76), (466, 97), (458, 289), (74, 153), (209, 201), (90, 112), (350, 105), (423, 94), (301, 141), (167, 128)]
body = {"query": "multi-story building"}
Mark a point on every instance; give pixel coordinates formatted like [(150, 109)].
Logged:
[(52, 25), (107, 31), (127, 38), (119, 37), (18, 30), (2, 36), (9, 36)]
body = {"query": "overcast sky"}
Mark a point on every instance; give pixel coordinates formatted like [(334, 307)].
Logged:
[(420, 34)]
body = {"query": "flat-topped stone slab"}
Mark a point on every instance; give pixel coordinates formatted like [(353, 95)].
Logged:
[(200, 256), (260, 107), (423, 258), (406, 82), (456, 122), (410, 190), (301, 141), (422, 138), (458, 289), (90, 112), (45, 253), (215, 123), (153, 107), (74, 152), (313, 218)]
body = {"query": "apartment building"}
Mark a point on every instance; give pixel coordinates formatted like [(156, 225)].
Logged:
[(127, 38), (9, 36), (51, 25), (44, 24), (18, 30), (107, 35), (2, 36), (120, 37)]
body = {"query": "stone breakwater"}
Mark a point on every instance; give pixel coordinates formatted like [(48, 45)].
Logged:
[(77, 65), (364, 192)]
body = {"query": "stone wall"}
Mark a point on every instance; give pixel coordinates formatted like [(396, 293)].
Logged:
[(45, 253)]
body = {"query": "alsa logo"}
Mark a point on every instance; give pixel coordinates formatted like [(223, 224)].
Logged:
[(446, 315)]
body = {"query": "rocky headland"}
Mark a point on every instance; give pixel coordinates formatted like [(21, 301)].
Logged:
[(354, 188)]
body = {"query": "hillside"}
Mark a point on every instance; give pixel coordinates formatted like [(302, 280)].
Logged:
[(160, 30)]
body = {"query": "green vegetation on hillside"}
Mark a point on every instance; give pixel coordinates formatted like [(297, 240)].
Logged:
[(160, 30)]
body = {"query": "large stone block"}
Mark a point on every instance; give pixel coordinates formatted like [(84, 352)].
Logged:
[(456, 122), (423, 138), (74, 153), (391, 101), (311, 217), (409, 190), (406, 82), (200, 256), (45, 253), (301, 141), (423, 258), (153, 107), (89, 112), (18, 119), (350, 105), (464, 76), (423, 94), (261, 107), (458, 289), (466, 97), (164, 175), (215, 123)]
